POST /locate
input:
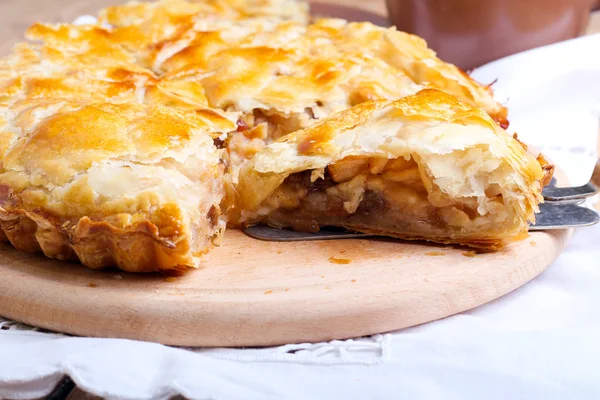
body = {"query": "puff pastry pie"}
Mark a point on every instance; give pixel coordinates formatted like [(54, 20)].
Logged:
[(121, 141), (424, 167)]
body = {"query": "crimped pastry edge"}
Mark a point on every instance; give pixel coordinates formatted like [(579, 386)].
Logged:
[(99, 244)]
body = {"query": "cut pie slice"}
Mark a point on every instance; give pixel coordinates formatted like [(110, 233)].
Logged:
[(424, 167), (127, 185)]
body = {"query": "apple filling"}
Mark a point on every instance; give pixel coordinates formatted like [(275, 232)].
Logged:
[(396, 197)]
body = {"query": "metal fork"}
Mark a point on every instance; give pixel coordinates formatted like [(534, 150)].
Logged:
[(569, 194), (561, 210)]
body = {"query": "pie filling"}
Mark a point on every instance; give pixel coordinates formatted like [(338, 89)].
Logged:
[(386, 196), (255, 131)]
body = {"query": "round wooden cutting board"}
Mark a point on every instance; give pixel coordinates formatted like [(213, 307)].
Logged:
[(256, 293)]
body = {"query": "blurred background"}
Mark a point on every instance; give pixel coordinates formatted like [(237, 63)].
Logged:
[(17, 15)]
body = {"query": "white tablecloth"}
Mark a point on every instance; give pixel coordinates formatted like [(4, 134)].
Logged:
[(540, 342)]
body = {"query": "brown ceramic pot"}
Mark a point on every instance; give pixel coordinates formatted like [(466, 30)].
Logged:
[(470, 33)]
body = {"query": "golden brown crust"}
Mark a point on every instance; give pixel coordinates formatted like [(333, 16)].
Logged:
[(327, 66)]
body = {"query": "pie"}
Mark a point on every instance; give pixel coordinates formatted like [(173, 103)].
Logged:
[(425, 167), (122, 141)]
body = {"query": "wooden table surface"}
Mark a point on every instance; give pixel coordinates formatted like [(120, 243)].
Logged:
[(17, 15)]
